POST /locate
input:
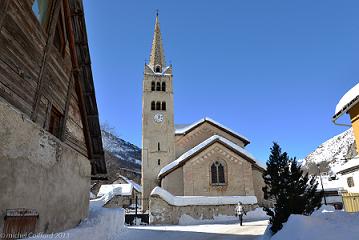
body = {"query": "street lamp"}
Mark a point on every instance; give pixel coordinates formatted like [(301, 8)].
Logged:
[(321, 182)]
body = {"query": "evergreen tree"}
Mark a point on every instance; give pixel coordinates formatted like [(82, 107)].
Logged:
[(292, 191)]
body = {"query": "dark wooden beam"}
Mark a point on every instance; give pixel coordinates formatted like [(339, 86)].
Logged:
[(55, 11), (67, 106), (4, 4)]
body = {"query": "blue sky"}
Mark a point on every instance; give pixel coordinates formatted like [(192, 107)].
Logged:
[(270, 70)]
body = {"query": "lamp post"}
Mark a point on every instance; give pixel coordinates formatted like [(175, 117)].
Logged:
[(321, 182)]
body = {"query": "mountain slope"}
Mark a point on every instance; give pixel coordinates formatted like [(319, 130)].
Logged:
[(125, 152), (335, 151), (123, 159)]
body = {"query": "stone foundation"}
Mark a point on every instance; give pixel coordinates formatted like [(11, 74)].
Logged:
[(40, 172), (163, 213)]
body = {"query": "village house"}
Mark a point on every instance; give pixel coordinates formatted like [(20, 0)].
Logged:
[(348, 173), (124, 194), (349, 104), (200, 170), (50, 138)]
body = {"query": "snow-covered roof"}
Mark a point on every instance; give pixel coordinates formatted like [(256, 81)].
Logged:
[(352, 163), (135, 185), (117, 189), (347, 101), (181, 129), (215, 138), (201, 200)]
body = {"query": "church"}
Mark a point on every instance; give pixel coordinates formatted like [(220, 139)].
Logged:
[(200, 169)]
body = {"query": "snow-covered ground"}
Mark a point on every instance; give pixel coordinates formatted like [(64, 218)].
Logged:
[(325, 223), (102, 223), (108, 224)]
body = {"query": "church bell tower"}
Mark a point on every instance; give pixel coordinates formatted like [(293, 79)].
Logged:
[(158, 146)]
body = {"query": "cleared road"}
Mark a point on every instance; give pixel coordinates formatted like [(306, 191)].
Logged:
[(224, 231)]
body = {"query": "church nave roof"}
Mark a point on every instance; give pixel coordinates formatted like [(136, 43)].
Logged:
[(183, 129), (200, 147)]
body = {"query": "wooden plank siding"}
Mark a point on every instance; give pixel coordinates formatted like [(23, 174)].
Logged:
[(35, 76)]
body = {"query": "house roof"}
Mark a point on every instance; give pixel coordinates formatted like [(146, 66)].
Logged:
[(116, 189), (347, 102), (135, 185), (200, 147), (183, 129), (350, 166), (80, 57)]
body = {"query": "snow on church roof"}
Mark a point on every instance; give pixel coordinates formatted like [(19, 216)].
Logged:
[(347, 101), (171, 166), (201, 200), (181, 129)]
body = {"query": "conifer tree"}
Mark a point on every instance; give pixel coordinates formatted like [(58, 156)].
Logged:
[(292, 191)]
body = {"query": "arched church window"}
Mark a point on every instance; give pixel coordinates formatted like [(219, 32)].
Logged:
[(163, 87), (163, 106), (217, 173), (159, 162), (153, 86), (153, 105), (158, 147), (158, 69), (158, 105), (158, 88)]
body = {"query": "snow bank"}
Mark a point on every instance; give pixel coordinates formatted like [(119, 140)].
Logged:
[(201, 200), (255, 215), (102, 223), (201, 146), (350, 97), (326, 223)]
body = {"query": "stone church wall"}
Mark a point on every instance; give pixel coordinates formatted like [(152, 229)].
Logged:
[(163, 213), (238, 174), (174, 182), (40, 172)]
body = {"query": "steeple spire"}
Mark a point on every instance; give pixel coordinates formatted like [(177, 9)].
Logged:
[(157, 58)]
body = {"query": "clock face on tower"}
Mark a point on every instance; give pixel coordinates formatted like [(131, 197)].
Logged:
[(158, 117)]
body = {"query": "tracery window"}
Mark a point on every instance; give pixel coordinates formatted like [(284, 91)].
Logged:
[(217, 173)]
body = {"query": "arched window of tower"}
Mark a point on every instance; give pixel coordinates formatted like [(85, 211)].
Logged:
[(153, 86), (158, 105), (158, 88), (163, 106), (158, 147), (163, 86), (153, 105), (159, 162)]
